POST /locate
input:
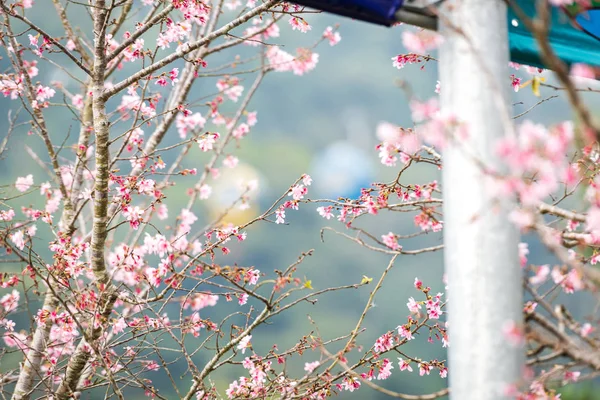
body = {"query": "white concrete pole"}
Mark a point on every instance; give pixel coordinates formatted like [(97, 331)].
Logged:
[(481, 256)]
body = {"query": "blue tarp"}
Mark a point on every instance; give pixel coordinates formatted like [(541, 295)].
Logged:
[(376, 11)]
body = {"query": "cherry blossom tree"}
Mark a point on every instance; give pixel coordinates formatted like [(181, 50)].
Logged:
[(116, 280)]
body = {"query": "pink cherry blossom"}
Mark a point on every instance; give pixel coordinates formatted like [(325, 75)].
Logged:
[(244, 343), (418, 284), (515, 82), (530, 307), (513, 333), (241, 131), (281, 61), (401, 60), (10, 301), (24, 183), (384, 343), (424, 369), (162, 81), (310, 367), (205, 192), (433, 307), (134, 215), (306, 180), (207, 141), (280, 215), (405, 332), (7, 215), (542, 273), (385, 371), (570, 282), (523, 252), (420, 42), (582, 71), (234, 92), (18, 238), (251, 118), (391, 241), (422, 111), (350, 384), (325, 212), (586, 329), (298, 191), (146, 186), (443, 372), (233, 4), (230, 161), (200, 300), (119, 326), (299, 24), (189, 123), (404, 365), (332, 36), (253, 276), (413, 306), (243, 299), (44, 93), (163, 212), (571, 376)]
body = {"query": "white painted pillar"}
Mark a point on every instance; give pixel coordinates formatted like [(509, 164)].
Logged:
[(481, 256)]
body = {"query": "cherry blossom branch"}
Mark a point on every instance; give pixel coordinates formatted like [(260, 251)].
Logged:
[(549, 239), (387, 392), (62, 14), (79, 360), (559, 212), (46, 35), (577, 89), (366, 309), (38, 116), (554, 338), (381, 250), (33, 359), (127, 6), (225, 141), (143, 28), (534, 106), (85, 132), (186, 49), (539, 28), (198, 380)]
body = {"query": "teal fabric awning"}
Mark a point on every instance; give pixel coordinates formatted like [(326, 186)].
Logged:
[(573, 36)]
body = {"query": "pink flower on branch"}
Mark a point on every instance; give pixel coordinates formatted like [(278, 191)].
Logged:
[(24, 183), (391, 241), (332, 36), (299, 24), (384, 343), (422, 41), (404, 365), (244, 343)]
